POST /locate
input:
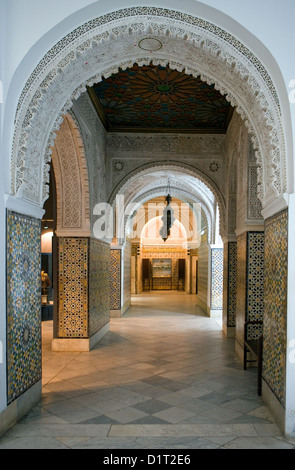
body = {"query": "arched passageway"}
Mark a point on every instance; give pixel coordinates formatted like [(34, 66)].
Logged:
[(246, 168)]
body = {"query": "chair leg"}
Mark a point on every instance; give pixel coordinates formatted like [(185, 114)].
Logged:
[(259, 359), (245, 357)]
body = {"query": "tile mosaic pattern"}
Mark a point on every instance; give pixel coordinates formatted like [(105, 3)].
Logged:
[(229, 283), (255, 281), (250, 283), (203, 269), (99, 285), (232, 284), (241, 286), (275, 304), (127, 273), (115, 280), (23, 304), (225, 285), (216, 278), (73, 287)]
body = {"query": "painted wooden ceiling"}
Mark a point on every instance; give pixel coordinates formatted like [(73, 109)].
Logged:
[(158, 99)]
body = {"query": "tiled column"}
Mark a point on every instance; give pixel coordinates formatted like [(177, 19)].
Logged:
[(216, 298), (115, 283), (23, 269), (229, 288), (250, 285), (82, 294), (275, 316)]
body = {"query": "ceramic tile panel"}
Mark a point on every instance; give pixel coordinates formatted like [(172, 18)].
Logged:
[(115, 279), (216, 278), (73, 287), (99, 285), (23, 303), (275, 304), (255, 282), (230, 283), (241, 286), (225, 285), (250, 283)]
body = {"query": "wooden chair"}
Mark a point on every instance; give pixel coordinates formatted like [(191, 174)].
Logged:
[(254, 346)]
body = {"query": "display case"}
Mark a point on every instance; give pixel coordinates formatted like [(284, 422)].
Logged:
[(162, 269)]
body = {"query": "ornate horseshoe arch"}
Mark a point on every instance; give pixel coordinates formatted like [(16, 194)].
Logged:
[(205, 194), (144, 35)]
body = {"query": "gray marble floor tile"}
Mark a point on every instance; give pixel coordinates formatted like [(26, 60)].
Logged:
[(164, 377), (257, 443), (152, 406)]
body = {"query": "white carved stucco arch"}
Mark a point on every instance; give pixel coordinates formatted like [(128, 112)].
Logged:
[(205, 191), (189, 199), (192, 186), (71, 179), (103, 45)]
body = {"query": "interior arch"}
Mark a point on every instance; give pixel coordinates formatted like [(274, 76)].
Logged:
[(195, 45)]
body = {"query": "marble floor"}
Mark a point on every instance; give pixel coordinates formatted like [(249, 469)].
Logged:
[(164, 377)]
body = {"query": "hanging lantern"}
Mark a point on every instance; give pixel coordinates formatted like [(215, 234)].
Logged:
[(168, 217)]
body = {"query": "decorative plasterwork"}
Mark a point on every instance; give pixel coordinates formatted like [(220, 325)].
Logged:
[(206, 155), (174, 144), (113, 41), (71, 176), (187, 181), (94, 140), (186, 196)]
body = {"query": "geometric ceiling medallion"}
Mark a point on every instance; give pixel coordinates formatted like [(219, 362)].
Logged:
[(156, 98)]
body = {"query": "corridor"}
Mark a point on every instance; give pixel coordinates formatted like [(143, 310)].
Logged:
[(165, 376)]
